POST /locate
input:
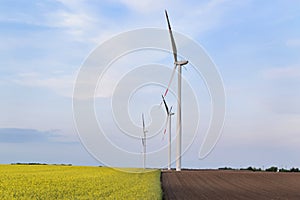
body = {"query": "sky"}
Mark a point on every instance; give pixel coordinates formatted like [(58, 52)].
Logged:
[(254, 44)]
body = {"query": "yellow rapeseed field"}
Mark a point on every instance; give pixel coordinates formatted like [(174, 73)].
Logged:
[(72, 182)]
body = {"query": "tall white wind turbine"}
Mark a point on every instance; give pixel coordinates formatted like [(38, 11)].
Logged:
[(169, 119), (144, 142), (178, 64)]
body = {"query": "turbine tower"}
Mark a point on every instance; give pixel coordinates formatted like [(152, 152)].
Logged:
[(178, 64), (144, 142), (169, 119)]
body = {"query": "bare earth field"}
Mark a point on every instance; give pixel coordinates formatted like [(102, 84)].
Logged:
[(217, 184)]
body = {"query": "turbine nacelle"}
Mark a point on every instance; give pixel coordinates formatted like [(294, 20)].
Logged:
[(181, 63)]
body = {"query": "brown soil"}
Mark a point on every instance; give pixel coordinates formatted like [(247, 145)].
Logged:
[(217, 184)]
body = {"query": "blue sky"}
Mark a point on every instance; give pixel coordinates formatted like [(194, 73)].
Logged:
[(255, 44)]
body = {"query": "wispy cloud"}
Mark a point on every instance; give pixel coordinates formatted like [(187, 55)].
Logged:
[(60, 83), (74, 18), (84, 24), (63, 84), (205, 16), (17, 135), (146, 6), (282, 73), (293, 43)]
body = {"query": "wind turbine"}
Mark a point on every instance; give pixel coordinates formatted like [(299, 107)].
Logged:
[(144, 141), (178, 64), (169, 119)]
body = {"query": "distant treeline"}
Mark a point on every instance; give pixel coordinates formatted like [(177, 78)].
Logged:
[(40, 164), (270, 169)]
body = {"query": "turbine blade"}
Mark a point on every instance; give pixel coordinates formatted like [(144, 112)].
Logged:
[(172, 38), (166, 106), (171, 79), (143, 141), (143, 122)]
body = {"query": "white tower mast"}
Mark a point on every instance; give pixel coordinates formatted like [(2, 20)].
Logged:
[(144, 142)]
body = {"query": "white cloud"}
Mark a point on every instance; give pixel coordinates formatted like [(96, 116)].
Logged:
[(198, 17), (80, 21), (72, 20), (75, 19), (282, 73), (61, 84), (293, 43), (146, 6)]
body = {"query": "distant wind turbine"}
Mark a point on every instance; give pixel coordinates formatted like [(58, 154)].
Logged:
[(169, 119), (178, 64), (144, 142)]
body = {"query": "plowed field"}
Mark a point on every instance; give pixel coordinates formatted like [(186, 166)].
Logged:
[(215, 184)]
